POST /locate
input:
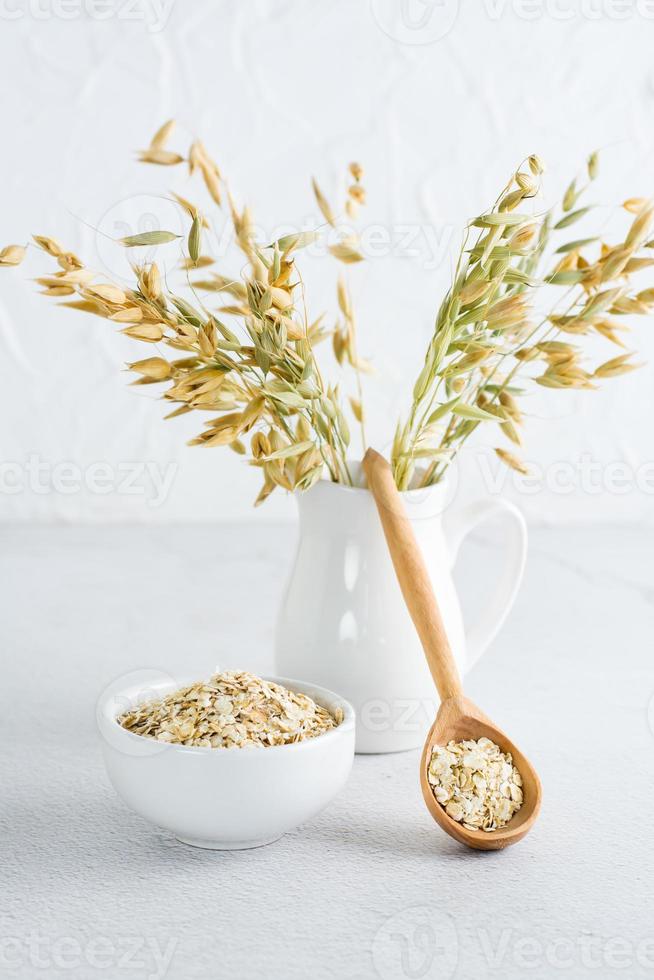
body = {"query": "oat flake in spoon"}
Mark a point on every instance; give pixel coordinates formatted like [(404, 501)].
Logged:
[(476, 783)]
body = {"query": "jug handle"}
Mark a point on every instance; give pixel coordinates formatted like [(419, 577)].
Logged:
[(457, 526)]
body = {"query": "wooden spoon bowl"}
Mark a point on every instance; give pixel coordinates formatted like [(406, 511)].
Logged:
[(458, 718)]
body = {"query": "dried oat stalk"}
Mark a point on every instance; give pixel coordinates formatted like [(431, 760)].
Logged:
[(244, 354), (347, 250), (491, 338), (521, 304)]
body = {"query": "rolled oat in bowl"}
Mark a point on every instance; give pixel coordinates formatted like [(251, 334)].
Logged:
[(233, 709)]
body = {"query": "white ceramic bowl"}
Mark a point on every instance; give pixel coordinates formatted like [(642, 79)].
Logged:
[(224, 798)]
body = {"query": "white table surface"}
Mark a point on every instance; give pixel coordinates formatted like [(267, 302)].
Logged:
[(371, 888)]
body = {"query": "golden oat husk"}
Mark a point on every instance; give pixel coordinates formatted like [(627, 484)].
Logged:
[(49, 245), (629, 304), (642, 223), (616, 366), (160, 157), (149, 332), (162, 135), (343, 297), (191, 209), (69, 261), (634, 204), (260, 445), (155, 368), (474, 290), (12, 254), (76, 277), (357, 409), (323, 204), (510, 431), (637, 265), (524, 236), (510, 404), (357, 193), (609, 330), (512, 461), (528, 184), (346, 251), (203, 262), (150, 281), (58, 291), (212, 182), (131, 314), (106, 292)]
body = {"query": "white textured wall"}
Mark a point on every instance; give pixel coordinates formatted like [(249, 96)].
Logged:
[(280, 91)]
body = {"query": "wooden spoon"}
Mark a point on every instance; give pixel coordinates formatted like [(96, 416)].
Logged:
[(458, 718)]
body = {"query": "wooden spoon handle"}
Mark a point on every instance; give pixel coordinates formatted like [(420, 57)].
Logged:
[(412, 575)]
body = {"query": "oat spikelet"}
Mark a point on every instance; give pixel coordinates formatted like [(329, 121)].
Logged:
[(323, 204), (12, 255), (162, 135), (162, 158), (512, 461)]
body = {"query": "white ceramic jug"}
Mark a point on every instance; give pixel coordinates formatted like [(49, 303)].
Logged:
[(343, 623)]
